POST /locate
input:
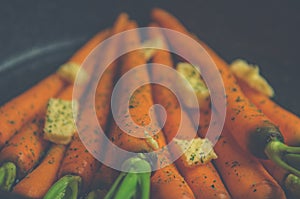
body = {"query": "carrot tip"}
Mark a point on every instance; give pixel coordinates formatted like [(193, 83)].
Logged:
[(7, 176)]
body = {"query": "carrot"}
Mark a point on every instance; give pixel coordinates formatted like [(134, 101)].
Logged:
[(36, 183), (239, 167), (104, 177), (102, 181), (23, 108), (136, 182), (288, 123), (253, 130), (80, 55), (236, 165), (78, 162), (288, 181), (15, 113), (203, 179), (27, 146), (168, 183)]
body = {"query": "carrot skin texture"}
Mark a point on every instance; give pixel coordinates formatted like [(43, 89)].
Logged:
[(140, 105), (18, 111), (26, 147), (141, 99), (237, 166), (248, 125), (168, 183), (104, 178), (23, 108), (288, 123), (37, 183), (78, 161), (203, 179)]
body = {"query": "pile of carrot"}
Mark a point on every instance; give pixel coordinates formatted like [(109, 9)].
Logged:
[(254, 159)]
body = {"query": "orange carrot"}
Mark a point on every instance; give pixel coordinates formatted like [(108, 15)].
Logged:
[(288, 181), (104, 178), (236, 165), (15, 113), (89, 46), (288, 123), (78, 161), (26, 147), (203, 179), (37, 183), (140, 102), (23, 108), (244, 176), (253, 130), (168, 183)]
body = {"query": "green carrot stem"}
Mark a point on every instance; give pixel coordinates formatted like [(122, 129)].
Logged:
[(8, 173), (65, 188), (276, 151), (135, 182), (114, 187), (292, 184), (145, 185), (128, 188), (293, 159)]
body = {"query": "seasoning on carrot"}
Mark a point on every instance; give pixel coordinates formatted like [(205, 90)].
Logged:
[(203, 179), (18, 111), (78, 162), (36, 183), (23, 108), (236, 166), (253, 130), (27, 146), (289, 182), (139, 166), (288, 123)]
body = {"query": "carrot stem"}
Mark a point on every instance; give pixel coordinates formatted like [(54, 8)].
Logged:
[(277, 152), (7, 176), (65, 188), (293, 159), (135, 182), (292, 184)]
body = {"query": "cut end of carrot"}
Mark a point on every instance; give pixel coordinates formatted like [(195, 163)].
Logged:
[(8, 172)]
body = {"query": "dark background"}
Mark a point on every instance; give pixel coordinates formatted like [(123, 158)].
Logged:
[(37, 36)]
